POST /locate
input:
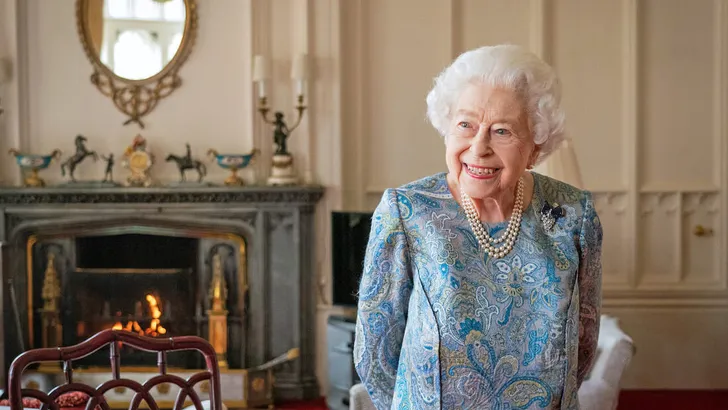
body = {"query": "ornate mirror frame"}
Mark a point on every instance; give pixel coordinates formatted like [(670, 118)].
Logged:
[(137, 98)]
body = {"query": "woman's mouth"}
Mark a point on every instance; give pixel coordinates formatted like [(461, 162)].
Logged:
[(481, 172)]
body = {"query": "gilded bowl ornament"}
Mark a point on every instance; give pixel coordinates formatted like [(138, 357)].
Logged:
[(31, 164), (233, 162)]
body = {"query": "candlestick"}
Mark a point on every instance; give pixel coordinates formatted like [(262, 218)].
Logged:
[(282, 172)]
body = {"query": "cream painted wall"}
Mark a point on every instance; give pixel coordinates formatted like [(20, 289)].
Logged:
[(649, 129), (211, 110)]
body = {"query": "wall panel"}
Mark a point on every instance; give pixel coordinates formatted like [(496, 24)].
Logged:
[(585, 48), (402, 55), (677, 63)]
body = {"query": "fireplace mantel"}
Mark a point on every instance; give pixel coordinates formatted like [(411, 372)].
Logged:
[(306, 195), (275, 223)]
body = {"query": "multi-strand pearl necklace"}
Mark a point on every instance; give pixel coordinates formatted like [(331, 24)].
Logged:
[(488, 244)]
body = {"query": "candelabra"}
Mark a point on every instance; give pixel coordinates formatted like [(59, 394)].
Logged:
[(282, 172)]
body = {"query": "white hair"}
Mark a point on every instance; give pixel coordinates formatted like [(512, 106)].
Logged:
[(511, 67)]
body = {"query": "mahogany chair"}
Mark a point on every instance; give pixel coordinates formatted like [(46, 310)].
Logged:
[(114, 339)]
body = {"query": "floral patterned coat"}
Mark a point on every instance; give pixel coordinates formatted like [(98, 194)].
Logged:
[(441, 325)]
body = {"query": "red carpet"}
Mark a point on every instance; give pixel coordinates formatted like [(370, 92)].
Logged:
[(318, 404), (673, 400)]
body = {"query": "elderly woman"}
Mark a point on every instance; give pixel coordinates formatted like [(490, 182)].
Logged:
[(482, 286)]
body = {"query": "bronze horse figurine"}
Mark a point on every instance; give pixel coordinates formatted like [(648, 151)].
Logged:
[(78, 157), (187, 162)]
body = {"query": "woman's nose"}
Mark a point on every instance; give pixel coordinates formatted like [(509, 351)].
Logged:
[(480, 144)]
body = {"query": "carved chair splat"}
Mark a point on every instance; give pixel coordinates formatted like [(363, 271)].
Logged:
[(114, 339)]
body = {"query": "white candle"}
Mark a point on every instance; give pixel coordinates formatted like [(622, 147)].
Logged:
[(261, 88), (299, 87)]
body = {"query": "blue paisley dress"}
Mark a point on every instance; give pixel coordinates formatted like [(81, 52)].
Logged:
[(441, 325)]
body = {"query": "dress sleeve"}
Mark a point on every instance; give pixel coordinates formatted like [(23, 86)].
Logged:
[(590, 287), (384, 293)]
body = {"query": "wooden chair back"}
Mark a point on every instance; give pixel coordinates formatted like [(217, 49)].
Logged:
[(114, 339)]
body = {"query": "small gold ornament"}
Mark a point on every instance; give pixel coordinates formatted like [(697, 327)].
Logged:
[(139, 161)]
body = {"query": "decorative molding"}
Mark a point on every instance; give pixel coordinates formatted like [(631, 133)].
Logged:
[(657, 293), (303, 195), (685, 201), (697, 187), (640, 301), (280, 220), (669, 202), (614, 200), (692, 202)]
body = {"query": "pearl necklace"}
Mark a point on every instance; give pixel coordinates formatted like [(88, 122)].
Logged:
[(487, 243)]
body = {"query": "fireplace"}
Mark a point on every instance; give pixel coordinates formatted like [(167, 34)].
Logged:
[(143, 283), (232, 265), (151, 281)]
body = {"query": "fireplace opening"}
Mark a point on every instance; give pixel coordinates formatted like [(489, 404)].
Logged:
[(146, 284), (135, 251)]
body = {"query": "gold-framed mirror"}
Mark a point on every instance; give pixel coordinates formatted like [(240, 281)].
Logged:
[(137, 48)]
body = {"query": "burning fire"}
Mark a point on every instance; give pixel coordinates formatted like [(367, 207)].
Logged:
[(155, 328)]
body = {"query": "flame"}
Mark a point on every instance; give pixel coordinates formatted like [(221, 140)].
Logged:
[(155, 328)]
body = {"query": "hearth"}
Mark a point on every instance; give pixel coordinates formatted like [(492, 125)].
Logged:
[(158, 283), (233, 265), (143, 283)]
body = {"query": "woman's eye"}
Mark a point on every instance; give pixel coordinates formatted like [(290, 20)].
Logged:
[(464, 124), (501, 131)]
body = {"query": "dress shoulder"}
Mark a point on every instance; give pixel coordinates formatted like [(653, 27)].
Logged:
[(553, 191)]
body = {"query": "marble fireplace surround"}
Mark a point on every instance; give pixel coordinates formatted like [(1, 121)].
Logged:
[(275, 223)]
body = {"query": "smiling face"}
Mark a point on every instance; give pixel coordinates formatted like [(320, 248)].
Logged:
[(489, 144)]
